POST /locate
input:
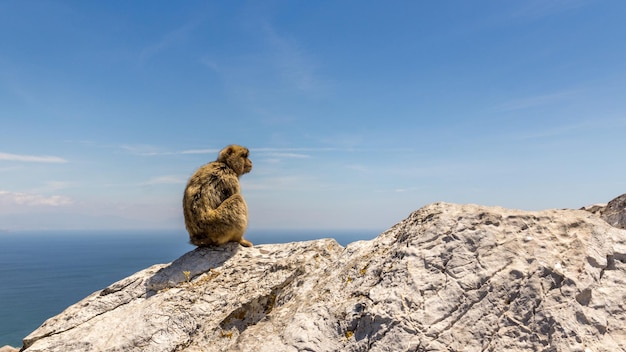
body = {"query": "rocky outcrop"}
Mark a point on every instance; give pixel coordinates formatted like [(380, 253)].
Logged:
[(448, 278), (614, 212), (8, 348)]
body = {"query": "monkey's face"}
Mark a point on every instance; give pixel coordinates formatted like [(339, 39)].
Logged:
[(236, 157), (247, 163)]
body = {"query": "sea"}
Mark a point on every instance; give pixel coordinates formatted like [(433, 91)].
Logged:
[(42, 273)]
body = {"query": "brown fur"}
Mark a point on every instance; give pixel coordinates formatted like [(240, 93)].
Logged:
[(214, 209)]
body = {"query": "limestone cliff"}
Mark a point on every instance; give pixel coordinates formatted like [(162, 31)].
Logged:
[(448, 278)]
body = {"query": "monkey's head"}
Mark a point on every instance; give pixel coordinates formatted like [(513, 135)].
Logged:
[(236, 157)]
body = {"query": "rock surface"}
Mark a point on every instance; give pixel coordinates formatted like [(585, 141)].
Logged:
[(8, 348), (448, 278), (614, 212)]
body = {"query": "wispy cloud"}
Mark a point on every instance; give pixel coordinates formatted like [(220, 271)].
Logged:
[(534, 101), (167, 41), (269, 152), (292, 63), (359, 168), (144, 150), (56, 185), (288, 155), (278, 183), (166, 179), (278, 157), (199, 151), (210, 63), (408, 189), (31, 158), (151, 150), (549, 133), (32, 199), (278, 62), (581, 126), (291, 150), (52, 186)]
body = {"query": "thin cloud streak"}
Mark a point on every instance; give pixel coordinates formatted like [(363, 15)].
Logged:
[(282, 183), (328, 149), (288, 155), (198, 151), (167, 179), (291, 63), (534, 101), (550, 133), (147, 150), (31, 158), (31, 199), (167, 41), (569, 129), (289, 150), (141, 149), (151, 150)]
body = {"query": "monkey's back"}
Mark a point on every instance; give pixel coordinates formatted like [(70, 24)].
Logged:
[(207, 188)]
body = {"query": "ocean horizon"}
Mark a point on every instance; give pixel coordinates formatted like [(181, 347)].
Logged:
[(44, 272)]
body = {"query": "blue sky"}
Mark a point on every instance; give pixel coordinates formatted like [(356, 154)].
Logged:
[(356, 112)]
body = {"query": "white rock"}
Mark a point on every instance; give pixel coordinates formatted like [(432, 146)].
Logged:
[(8, 348), (448, 278)]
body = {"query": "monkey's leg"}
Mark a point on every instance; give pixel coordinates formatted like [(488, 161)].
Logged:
[(233, 218), (244, 242)]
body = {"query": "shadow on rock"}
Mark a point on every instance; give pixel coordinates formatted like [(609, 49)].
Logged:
[(190, 265)]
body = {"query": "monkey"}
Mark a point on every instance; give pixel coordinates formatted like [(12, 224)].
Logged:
[(215, 211)]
